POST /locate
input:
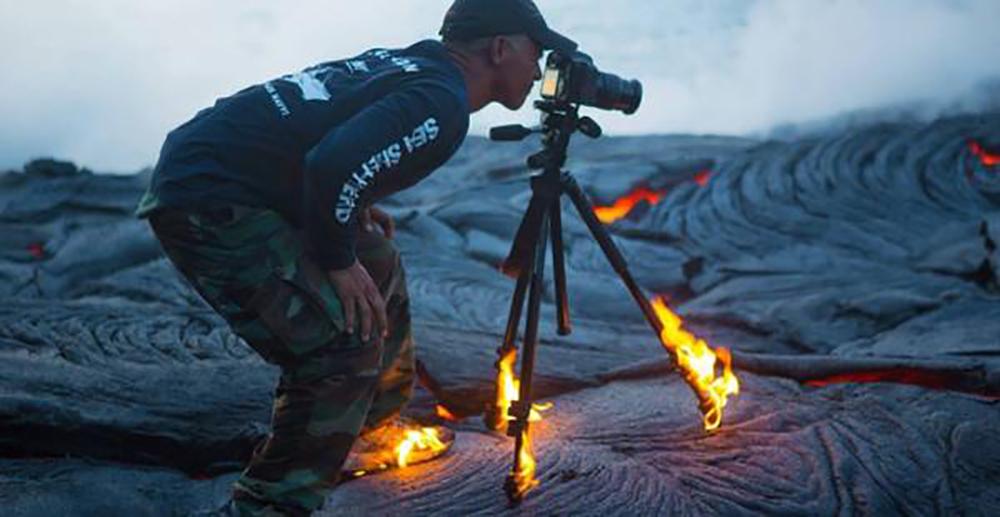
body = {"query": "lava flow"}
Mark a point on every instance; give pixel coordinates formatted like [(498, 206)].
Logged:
[(508, 390), (444, 414), (37, 250), (989, 159), (623, 205), (697, 361), (702, 177)]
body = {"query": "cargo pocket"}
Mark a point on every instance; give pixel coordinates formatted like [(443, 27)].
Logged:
[(298, 309)]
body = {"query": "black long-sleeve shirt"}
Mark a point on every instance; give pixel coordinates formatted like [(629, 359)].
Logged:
[(320, 145)]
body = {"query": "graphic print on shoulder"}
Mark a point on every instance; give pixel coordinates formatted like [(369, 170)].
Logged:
[(404, 63), (358, 66), (310, 83)]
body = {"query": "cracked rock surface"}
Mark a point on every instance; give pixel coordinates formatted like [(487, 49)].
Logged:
[(854, 275)]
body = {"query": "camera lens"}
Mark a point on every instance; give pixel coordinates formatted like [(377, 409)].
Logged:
[(614, 93)]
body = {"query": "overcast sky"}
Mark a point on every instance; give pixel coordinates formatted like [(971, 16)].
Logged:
[(101, 82)]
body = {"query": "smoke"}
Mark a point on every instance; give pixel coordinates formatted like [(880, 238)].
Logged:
[(767, 63), (100, 83)]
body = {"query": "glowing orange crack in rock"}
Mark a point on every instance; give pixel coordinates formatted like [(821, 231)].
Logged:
[(989, 159), (697, 362), (702, 177), (443, 413), (623, 205)]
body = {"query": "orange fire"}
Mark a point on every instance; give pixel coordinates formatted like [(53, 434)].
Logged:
[(508, 390), (697, 361), (524, 477), (702, 177), (443, 413), (625, 204), (426, 439), (989, 159)]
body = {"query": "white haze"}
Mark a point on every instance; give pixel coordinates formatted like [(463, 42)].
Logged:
[(101, 83)]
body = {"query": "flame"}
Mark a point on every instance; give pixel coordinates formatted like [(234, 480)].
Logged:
[(702, 177), (697, 361), (508, 390), (424, 439), (524, 477), (624, 204), (989, 159), (443, 413)]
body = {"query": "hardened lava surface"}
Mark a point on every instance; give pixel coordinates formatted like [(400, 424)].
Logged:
[(854, 275)]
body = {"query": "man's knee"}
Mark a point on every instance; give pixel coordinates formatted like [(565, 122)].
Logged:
[(380, 256), (348, 358)]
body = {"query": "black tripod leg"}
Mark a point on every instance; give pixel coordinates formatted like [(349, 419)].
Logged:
[(600, 233), (521, 409), (494, 416), (559, 266), (520, 256), (516, 304)]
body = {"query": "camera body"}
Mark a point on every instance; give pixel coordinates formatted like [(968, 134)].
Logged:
[(574, 79)]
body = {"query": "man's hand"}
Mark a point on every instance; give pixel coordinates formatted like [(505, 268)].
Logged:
[(377, 216), (359, 294)]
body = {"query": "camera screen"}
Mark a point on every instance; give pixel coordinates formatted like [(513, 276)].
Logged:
[(550, 82)]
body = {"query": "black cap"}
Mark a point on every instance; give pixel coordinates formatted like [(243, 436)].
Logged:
[(471, 19)]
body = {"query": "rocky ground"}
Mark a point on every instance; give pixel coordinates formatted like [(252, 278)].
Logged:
[(855, 276)]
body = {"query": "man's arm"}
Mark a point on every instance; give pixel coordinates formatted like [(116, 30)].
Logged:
[(390, 144)]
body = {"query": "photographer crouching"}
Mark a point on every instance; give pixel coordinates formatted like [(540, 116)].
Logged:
[(263, 202)]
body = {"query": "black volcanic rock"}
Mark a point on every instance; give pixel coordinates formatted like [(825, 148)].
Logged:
[(854, 276)]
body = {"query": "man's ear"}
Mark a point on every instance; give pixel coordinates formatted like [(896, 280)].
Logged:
[(499, 47)]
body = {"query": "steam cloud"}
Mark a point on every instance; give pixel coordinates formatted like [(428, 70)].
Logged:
[(100, 83)]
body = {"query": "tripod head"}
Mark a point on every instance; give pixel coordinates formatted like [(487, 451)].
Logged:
[(559, 121)]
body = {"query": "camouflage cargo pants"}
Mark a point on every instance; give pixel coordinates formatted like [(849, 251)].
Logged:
[(250, 266)]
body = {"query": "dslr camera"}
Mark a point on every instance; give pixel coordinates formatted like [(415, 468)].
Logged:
[(574, 79)]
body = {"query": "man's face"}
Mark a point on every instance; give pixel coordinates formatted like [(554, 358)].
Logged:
[(518, 68)]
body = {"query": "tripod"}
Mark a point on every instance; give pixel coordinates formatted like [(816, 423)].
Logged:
[(541, 223)]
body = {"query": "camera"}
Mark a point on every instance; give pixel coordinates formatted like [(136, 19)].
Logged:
[(574, 79)]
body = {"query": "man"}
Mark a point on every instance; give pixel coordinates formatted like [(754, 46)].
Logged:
[(263, 203)]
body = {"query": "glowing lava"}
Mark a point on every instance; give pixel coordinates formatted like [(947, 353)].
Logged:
[(989, 159), (443, 413), (37, 250), (697, 361), (625, 204)]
